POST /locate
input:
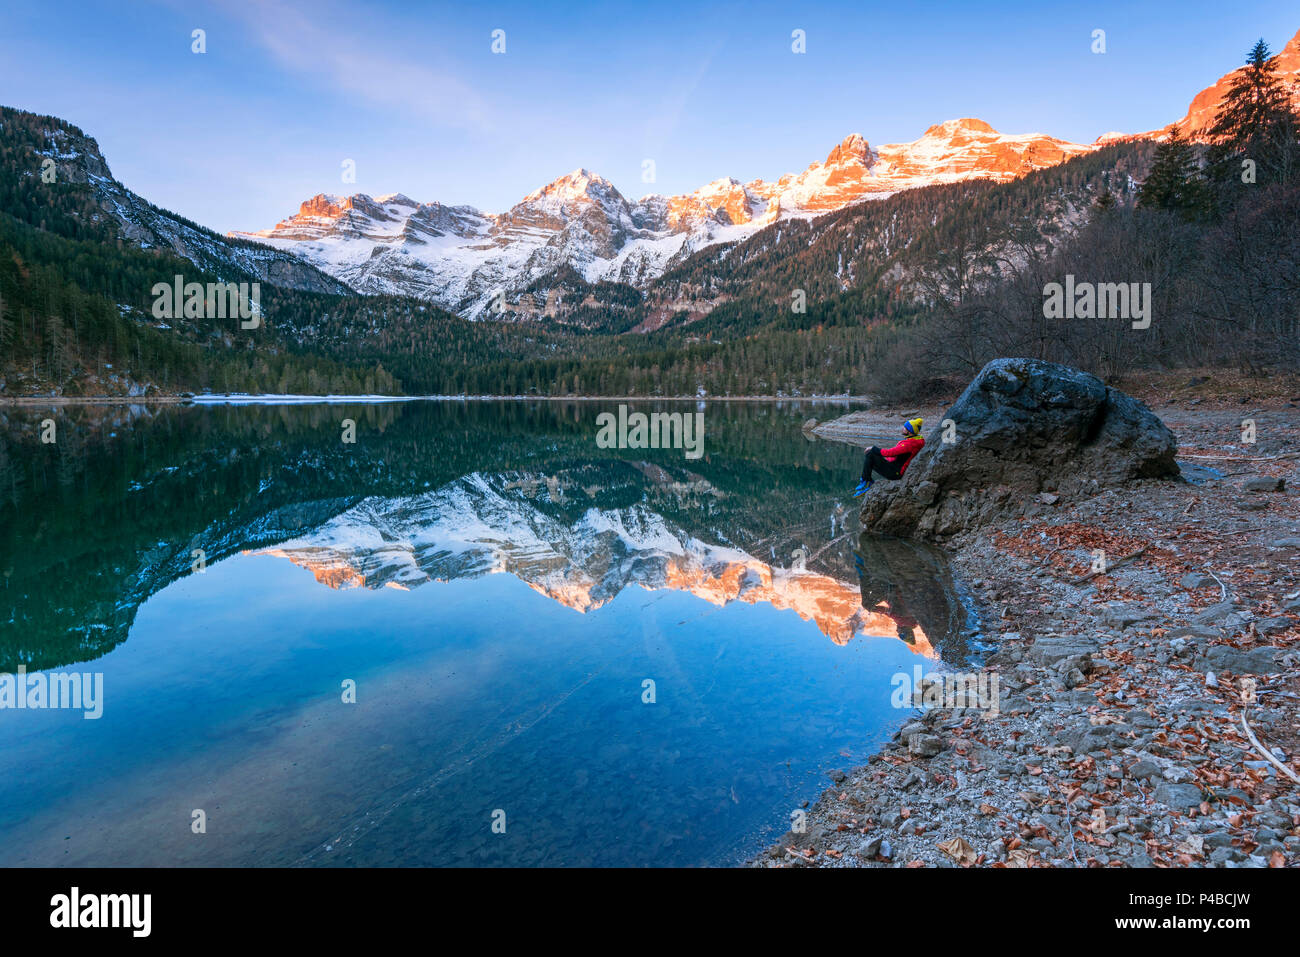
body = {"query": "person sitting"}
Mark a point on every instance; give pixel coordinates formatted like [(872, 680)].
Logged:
[(892, 463)]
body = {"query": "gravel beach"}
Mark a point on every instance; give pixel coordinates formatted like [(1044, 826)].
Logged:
[(1149, 714)]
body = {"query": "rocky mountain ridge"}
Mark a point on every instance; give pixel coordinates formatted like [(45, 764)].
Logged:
[(465, 260)]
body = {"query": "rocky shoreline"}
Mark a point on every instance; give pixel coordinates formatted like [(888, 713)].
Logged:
[(1120, 739)]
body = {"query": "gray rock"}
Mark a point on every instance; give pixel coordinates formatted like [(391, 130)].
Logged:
[(1196, 632), (924, 745), (1195, 580), (1215, 613), (1145, 769), (1253, 661), (1085, 738), (870, 847), (1274, 819), (1081, 663), (1080, 698), (1026, 425), (1049, 649), (1178, 795), (1263, 484), (926, 493), (1121, 616)]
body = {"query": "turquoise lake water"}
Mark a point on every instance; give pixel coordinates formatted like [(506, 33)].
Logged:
[(562, 655)]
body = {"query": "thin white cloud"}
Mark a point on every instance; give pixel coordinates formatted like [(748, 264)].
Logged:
[(358, 61)]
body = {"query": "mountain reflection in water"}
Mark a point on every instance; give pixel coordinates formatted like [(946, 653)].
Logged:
[(125, 501), (480, 560), (483, 524)]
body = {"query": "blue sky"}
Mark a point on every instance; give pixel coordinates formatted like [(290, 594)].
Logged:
[(236, 137)]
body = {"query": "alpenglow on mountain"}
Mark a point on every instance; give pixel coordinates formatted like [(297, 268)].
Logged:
[(461, 258), (483, 524)]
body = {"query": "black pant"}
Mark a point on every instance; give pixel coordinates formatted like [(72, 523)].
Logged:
[(875, 462)]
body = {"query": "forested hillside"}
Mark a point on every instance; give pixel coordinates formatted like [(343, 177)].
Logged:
[(900, 297)]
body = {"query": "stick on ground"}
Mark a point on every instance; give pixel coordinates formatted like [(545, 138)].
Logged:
[(1268, 755)]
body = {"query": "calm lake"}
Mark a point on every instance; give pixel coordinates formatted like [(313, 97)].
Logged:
[(473, 636)]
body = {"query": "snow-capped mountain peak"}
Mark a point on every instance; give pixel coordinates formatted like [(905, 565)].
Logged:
[(853, 149), (462, 259), (577, 186)]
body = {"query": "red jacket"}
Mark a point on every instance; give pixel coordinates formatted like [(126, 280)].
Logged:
[(905, 450)]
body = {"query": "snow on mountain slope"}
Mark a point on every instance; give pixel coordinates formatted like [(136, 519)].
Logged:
[(462, 259), (479, 525)]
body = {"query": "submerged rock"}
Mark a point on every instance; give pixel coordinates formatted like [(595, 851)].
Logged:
[(1022, 427)]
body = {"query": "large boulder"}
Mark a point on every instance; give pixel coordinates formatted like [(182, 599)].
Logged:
[(1023, 426)]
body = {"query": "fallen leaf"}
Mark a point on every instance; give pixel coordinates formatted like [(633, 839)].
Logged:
[(958, 850), (1020, 858)]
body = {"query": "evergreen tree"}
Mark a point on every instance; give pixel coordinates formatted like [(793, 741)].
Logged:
[(1175, 182), (6, 332), (1255, 123)]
